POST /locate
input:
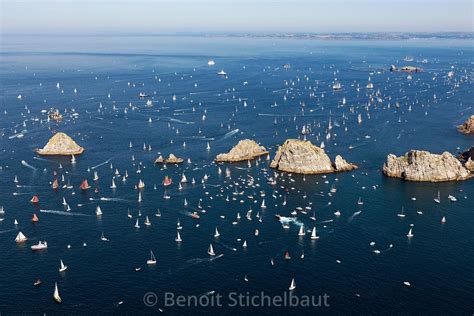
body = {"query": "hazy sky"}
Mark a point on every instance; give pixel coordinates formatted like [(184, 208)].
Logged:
[(154, 16)]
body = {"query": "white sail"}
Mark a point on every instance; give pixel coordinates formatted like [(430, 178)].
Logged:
[(210, 251), (301, 232), (56, 296), (313, 234), (152, 259), (20, 238), (63, 267), (98, 211), (217, 234), (178, 237), (292, 285)]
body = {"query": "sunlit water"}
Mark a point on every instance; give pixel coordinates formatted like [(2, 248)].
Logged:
[(437, 261)]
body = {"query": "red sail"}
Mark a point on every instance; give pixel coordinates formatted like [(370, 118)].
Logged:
[(85, 185), (35, 200)]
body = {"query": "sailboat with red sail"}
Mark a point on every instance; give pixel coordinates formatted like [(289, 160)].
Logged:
[(167, 181), (84, 185), (55, 184), (35, 200)]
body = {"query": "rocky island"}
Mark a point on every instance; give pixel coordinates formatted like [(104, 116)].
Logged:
[(468, 126), (246, 149), (61, 144), (467, 157), (418, 165), (171, 159), (301, 156)]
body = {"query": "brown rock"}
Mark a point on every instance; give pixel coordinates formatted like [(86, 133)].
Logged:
[(468, 126), (417, 165), (61, 144), (302, 156), (171, 159), (246, 149)]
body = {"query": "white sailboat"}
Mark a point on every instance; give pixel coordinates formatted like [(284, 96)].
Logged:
[(263, 204), (438, 198), (98, 211), (62, 267), (56, 296), (147, 221), (178, 237), (244, 244), (103, 238), (136, 224), (313, 233), (210, 251), (113, 186), (410, 233), (402, 214), (152, 259), (73, 160), (292, 285), (301, 232), (20, 238), (359, 202), (216, 234)]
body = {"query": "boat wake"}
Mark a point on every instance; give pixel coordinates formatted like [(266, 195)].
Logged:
[(353, 216), (101, 164), (231, 133), (63, 213), (24, 163)]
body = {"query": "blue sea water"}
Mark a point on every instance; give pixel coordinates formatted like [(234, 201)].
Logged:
[(109, 72)]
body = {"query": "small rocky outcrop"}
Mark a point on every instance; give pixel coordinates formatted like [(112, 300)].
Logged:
[(341, 165), (61, 144), (467, 157), (418, 165), (171, 159), (246, 149), (468, 126), (301, 156)]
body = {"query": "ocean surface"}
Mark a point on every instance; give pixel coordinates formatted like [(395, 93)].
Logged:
[(260, 100)]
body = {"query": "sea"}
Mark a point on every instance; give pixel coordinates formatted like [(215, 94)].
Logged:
[(362, 263)]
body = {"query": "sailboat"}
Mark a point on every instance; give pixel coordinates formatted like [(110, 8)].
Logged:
[(292, 285), (56, 296), (98, 211), (301, 232), (359, 202), (35, 199), (64, 201), (41, 245), (20, 238), (167, 181), (263, 204), (158, 213), (443, 220), (136, 224), (410, 233), (96, 176), (73, 160), (113, 186), (62, 266), (147, 221), (141, 184), (244, 244), (210, 251), (103, 238), (152, 259), (184, 179), (313, 234), (216, 234), (84, 185), (35, 218), (402, 214), (438, 198), (55, 184), (178, 237)]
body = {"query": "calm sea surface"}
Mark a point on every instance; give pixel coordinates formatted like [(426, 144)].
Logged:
[(109, 73)]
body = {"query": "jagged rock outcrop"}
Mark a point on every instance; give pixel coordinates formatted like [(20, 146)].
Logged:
[(468, 126), (467, 157), (61, 144), (301, 156), (418, 165), (246, 149), (341, 165), (171, 159)]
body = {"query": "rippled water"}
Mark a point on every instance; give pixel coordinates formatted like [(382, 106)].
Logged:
[(436, 261)]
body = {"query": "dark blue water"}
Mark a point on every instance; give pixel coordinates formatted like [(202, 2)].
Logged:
[(437, 261)]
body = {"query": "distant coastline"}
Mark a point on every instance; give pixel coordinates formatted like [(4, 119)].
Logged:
[(279, 35)]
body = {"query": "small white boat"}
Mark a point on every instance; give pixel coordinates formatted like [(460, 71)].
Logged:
[(178, 237), (222, 73), (103, 238), (337, 213), (152, 259), (292, 285), (20, 238), (62, 267), (301, 232), (313, 234), (452, 198), (402, 213), (211, 62), (147, 221), (244, 244), (359, 202), (137, 225), (56, 296), (438, 198), (443, 220), (98, 211), (40, 246), (410, 233), (113, 186), (210, 251), (216, 234)]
